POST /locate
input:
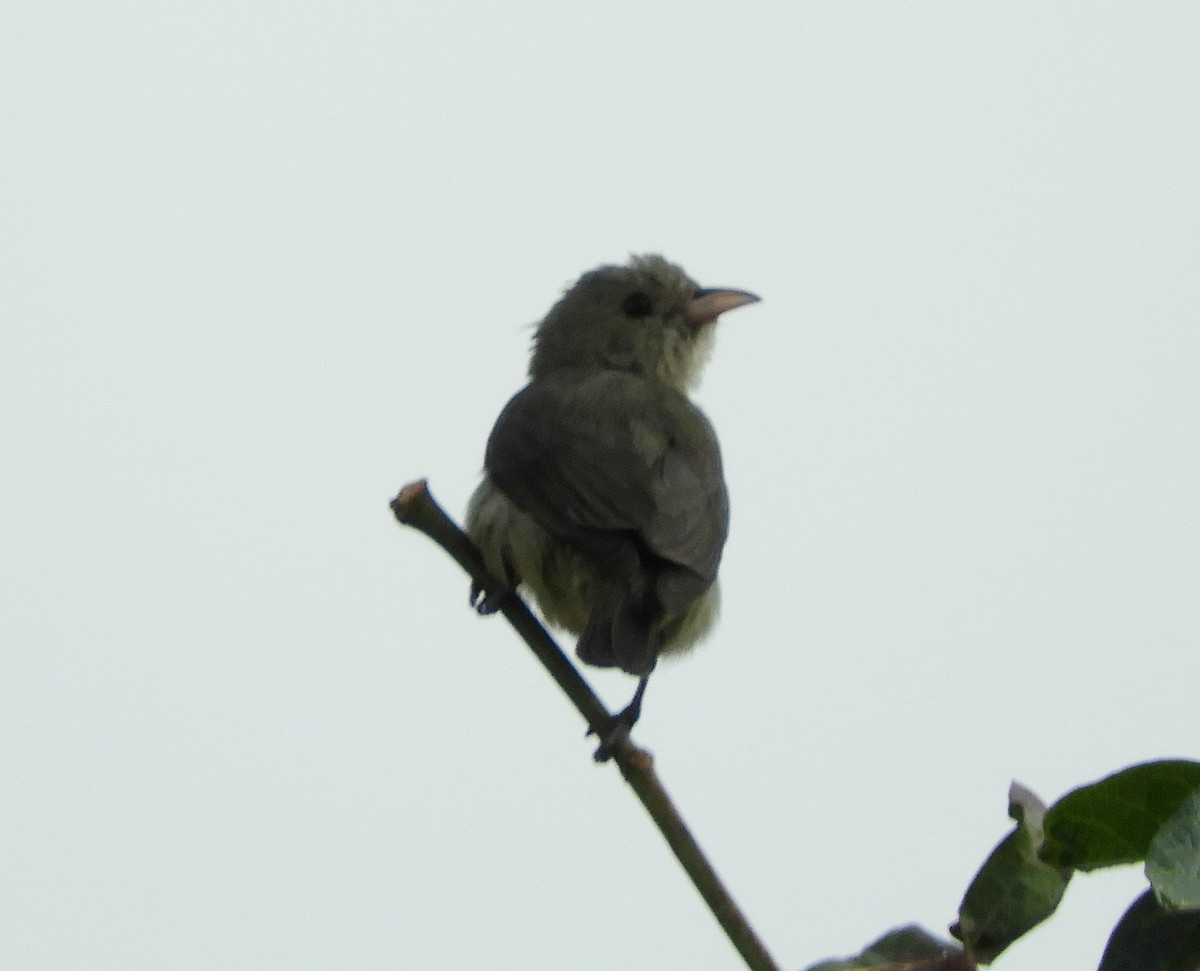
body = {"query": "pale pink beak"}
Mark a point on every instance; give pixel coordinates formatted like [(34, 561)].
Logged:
[(708, 305)]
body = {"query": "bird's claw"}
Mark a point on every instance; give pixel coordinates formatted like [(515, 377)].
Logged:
[(486, 603), (613, 735), (616, 732), (611, 738)]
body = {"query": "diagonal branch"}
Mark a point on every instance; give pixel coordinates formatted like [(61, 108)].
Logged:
[(415, 507)]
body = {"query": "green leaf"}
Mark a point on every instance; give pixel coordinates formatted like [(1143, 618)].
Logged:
[(1149, 938), (910, 948), (1173, 860), (1112, 821), (1014, 890)]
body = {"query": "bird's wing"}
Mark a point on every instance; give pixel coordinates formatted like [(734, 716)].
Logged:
[(606, 458)]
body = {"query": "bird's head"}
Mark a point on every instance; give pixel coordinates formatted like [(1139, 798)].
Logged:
[(647, 317)]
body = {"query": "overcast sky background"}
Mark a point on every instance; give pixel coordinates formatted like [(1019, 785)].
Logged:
[(264, 263)]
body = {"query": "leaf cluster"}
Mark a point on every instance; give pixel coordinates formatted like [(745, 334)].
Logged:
[(1147, 813)]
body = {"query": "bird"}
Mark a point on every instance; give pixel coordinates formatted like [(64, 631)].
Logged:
[(603, 494)]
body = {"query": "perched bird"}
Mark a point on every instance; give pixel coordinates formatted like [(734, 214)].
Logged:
[(603, 493)]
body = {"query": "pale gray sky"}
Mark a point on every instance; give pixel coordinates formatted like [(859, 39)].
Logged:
[(264, 263)]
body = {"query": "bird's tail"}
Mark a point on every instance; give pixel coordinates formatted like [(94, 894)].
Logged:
[(619, 633)]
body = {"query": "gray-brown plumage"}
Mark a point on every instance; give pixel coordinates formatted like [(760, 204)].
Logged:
[(604, 494)]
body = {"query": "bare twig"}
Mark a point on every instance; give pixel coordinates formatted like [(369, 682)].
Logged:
[(415, 507)]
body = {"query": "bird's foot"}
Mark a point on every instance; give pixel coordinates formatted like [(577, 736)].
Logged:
[(487, 603), (616, 732)]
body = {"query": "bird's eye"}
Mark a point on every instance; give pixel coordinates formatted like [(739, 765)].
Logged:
[(637, 304)]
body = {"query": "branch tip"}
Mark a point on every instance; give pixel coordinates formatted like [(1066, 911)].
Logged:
[(409, 494)]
